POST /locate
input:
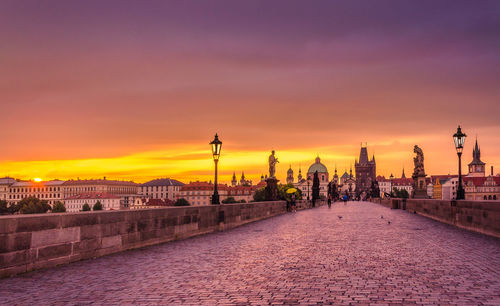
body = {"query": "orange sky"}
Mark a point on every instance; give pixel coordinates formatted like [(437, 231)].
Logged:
[(137, 91)]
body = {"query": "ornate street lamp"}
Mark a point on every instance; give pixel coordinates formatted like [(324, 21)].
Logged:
[(308, 182), (216, 146), (459, 139), (391, 178)]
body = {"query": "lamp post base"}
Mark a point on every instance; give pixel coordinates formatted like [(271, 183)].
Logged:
[(215, 199)]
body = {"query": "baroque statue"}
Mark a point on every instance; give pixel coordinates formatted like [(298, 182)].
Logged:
[(419, 162), (272, 164)]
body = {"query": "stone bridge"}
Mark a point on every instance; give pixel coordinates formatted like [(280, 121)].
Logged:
[(356, 253)]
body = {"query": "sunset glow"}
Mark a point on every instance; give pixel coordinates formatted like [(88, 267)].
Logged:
[(137, 91)]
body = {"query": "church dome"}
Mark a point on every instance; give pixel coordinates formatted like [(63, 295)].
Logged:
[(290, 171), (317, 166)]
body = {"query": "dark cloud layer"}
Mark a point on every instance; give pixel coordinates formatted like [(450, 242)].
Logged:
[(125, 76)]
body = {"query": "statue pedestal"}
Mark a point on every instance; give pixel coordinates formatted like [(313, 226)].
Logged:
[(271, 191), (419, 187)]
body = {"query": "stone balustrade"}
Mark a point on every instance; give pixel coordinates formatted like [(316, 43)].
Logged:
[(30, 242), (479, 216)]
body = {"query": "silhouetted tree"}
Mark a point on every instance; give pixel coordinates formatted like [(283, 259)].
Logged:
[(85, 207), (315, 188), (4, 209), (97, 206), (32, 205), (58, 207), (181, 202), (229, 200), (259, 195), (399, 193)]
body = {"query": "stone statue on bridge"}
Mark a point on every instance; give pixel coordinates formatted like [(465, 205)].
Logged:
[(418, 161), (419, 183), (271, 191), (272, 164)]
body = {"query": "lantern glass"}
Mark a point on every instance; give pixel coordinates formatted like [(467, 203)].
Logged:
[(216, 147), (459, 139)]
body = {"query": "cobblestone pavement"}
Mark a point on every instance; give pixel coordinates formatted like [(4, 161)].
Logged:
[(308, 257)]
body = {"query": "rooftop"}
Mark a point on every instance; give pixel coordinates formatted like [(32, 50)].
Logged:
[(38, 184), (100, 182), (163, 182), (92, 196)]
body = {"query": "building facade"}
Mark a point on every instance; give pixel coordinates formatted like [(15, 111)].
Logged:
[(164, 188), (5, 184), (482, 188), (50, 191), (75, 202), (200, 193), (241, 193), (126, 190)]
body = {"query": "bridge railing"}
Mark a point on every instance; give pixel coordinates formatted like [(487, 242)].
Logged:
[(29, 242), (478, 216)]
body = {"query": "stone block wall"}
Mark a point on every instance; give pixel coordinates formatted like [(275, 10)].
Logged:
[(30, 242), (478, 216)]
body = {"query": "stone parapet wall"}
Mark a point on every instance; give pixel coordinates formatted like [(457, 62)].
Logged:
[(30, 242), (478, 216)]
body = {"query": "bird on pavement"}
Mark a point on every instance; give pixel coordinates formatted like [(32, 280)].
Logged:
[(388, 222), (340, 217), (381, 217)]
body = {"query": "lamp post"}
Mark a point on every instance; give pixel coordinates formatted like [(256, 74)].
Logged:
[(391, 178), (459, 139), (216, 145), (308, 182)]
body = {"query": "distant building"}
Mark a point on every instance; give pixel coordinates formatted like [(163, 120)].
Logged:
[(241, 193), (200, 193), (5, 184), (108, 201), (384, 185), (142, 203), (449, 189), (299, 177), (482, 188), (163, 189), (323, 175), (289, 176), (387, 186), (347, 184), (50, 191), (430, 190), (242, 182), (476, 166), (403, 183), (127, 190), (365, 172)]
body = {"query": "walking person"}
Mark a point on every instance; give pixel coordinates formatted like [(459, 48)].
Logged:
[(293, 203)]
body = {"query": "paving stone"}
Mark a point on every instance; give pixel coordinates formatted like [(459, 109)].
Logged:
[(308, 257)]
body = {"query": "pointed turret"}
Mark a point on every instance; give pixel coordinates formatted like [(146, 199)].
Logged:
[(233, 181), (476, 166), (403, 175), (289, 175), (363, 156)]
